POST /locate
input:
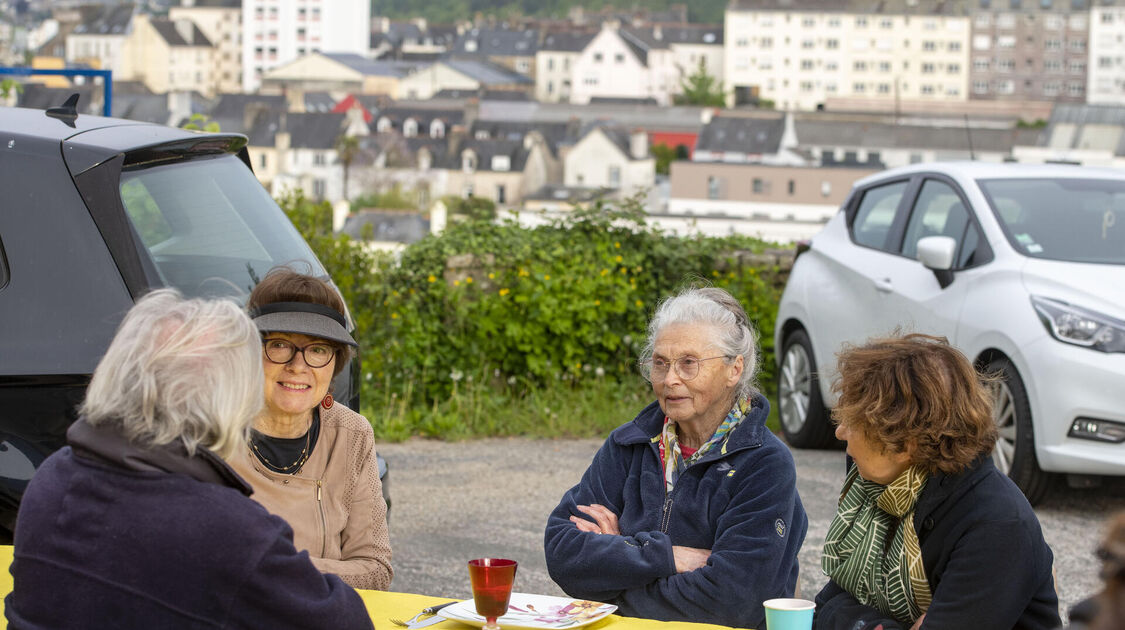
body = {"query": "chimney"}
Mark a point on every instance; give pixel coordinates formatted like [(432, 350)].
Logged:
[(472, 111), (186, 29), (638, 144), (706, 114), (657, 32)]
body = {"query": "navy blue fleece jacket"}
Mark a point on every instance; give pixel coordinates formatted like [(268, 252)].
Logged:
[(740, 502)]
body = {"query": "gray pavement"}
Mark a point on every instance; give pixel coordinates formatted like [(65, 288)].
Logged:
[(461, 500)]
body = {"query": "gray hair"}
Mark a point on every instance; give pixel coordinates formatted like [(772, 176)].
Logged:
[(180, 369), (711, 306)]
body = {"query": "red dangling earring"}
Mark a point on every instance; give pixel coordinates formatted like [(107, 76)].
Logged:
[(327, 402)]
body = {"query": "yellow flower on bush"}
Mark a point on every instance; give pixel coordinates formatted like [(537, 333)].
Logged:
[(605, 271), (639, 303), (491, 276), (431, 278), (469, 280), (619, 258), (456, 283), (617, 244), (597, 302), (715, 273), (523, 273), (394, 315), (504, 292), (546, 276), (624, 270)]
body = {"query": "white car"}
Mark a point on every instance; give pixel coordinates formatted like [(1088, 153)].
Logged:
[(1022, 267)]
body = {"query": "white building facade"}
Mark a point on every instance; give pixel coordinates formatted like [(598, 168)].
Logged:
[(614, 65), (1105, 82), (222, 24), (798, 59), (279, 31)]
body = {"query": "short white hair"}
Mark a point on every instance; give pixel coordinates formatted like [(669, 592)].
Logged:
[(715, 307), (180, 369)]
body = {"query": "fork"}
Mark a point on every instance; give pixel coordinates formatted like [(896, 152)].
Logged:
[(429, 610)]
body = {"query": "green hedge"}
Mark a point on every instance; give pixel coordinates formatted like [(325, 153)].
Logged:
[(489, 316)]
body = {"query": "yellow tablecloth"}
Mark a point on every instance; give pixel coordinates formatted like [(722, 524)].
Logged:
[(384, 605)]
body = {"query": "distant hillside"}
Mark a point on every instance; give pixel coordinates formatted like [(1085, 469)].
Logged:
[(446, 11)]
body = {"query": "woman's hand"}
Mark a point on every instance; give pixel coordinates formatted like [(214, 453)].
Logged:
[(605, 521), (689, 558)]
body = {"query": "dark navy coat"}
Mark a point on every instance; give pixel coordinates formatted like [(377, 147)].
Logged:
[(114, 536), (985, 559), (742, 504)]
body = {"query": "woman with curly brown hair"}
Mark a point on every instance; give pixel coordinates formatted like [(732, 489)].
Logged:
[(928, 533)]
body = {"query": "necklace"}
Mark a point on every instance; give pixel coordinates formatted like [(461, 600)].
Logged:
[(293, 468)]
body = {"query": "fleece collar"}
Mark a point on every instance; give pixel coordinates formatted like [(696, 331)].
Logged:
[(107, 444)]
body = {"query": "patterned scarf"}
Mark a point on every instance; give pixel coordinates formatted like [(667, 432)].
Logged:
[(872, 550), (673, 459)]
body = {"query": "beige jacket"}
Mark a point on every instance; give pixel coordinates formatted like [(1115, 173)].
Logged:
[(335, 503)]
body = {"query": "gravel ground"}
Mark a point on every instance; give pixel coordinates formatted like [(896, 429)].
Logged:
[(456, 501)]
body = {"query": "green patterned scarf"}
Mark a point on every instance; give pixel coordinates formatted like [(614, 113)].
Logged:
[(872, 550)]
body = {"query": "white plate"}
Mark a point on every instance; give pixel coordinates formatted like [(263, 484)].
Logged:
[(534, 612)]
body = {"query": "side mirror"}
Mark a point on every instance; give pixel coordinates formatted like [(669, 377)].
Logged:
[(936, 253)]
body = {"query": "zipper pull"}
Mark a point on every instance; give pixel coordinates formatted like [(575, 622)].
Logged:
[(319, 483)]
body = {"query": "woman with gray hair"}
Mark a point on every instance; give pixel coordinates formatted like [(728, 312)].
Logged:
[(139, 523), (690, 512)]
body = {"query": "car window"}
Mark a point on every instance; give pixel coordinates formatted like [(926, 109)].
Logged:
[(209, 226), (938, 211), (876, 213), (1077, 220)]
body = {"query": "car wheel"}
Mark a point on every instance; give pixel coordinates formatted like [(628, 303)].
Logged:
[(1014, 453), (804, 420)]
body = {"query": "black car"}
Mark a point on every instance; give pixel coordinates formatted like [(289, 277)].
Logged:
[(95, 213)]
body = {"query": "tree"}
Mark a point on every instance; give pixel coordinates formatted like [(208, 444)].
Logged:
[(701, 88), (347, 148), (7, 86), (201, 122)]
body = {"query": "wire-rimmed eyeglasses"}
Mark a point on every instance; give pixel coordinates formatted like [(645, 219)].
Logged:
[(316, 355), (656, 368)]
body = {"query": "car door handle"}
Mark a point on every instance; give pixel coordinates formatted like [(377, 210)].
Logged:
[(884, 285)]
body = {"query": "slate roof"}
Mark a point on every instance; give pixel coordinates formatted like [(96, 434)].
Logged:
[(616, 133), (622, 100), (395, 227), (566, 41), (151, 108), (486, 73), (638, 46), (1081, 115), (555, 133), (230, 110), (660, 36), (172, 36), (876, 7), (38, 96), (736, 134), (498, 42), (219, 4), (398, 114), (319, 102), (107, 20), (825, 132), (313, 131), (486, 150), (491, 95), (369, 67)]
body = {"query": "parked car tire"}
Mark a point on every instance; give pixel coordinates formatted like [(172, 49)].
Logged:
[(804, 419), (1014, 453)]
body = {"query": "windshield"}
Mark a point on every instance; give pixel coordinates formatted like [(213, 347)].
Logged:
[(209, 226), (1077, 220)]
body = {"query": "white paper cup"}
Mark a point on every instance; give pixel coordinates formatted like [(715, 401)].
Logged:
[(789, 614)]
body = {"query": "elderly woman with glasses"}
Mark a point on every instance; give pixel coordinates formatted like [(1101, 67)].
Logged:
[(690, 511), (138, 522), (311, 460)]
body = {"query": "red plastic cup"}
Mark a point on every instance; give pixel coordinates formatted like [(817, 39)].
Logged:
[(492, 580)]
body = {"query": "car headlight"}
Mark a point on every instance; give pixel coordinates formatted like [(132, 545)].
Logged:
[(1079, 326)]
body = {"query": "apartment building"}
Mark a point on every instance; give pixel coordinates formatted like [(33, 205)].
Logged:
[(168, 55), (1029, 50), (553, 62), (798, 53), (1105, 83), (100, 34), (221, 22), (278, 31)]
